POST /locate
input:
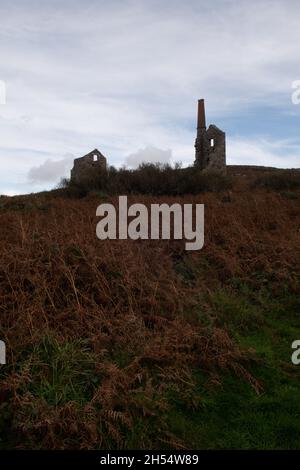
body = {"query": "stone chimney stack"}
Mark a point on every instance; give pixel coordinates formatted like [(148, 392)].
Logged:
[(201, 115), (201, 142)]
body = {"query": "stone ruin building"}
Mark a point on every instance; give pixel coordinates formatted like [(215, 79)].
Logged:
[(84, 165), (209, 144)]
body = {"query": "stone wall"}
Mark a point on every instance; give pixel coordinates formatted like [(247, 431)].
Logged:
[(84, 166)]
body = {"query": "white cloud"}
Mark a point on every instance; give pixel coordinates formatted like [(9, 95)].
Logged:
[(263, 152)]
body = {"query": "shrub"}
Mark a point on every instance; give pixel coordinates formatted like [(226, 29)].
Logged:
[(155, 179), (285, 179)]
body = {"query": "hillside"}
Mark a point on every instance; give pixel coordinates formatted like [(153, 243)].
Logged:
[(141, 344)]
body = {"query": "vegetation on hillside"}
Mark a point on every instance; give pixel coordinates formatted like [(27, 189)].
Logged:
[(141, 344), (154, 179)]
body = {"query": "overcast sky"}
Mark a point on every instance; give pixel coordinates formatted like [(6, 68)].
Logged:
[(125, 76)]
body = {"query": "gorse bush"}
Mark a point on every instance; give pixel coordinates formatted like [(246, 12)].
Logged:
[(154, 179)]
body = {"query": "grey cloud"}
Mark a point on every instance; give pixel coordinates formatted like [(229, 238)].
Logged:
[(149, 154), (51, 170)]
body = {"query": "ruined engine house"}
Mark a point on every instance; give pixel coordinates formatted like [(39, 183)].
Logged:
[(210, 144), (83, 166)]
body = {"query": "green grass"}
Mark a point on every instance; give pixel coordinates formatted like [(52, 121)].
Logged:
[(224, 415), (63, 372), (236, 418), (232, 415)]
